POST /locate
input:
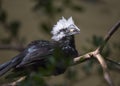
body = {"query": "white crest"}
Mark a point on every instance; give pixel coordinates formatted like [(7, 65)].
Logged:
[(61, 24)]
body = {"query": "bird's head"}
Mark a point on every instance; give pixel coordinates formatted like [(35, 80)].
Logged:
[(64, 28)]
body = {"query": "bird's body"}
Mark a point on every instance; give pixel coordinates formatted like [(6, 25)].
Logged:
[(56, 54)]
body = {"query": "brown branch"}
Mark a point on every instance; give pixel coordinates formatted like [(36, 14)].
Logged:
[(104, 67), (11, 47), (109, 35), (100, 59), (15, 83), (18, 81), (99, 50), (113, 65), (98, 56), (82, 58)]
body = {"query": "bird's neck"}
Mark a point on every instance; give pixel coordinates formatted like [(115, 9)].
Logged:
[(68, 41), (67, 44)]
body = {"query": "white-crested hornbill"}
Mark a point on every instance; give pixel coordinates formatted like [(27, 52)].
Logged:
[(55, 54)]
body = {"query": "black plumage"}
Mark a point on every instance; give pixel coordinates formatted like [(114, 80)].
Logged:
[(45, 54)]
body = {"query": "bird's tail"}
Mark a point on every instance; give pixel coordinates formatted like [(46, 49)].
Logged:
[(5, 67)]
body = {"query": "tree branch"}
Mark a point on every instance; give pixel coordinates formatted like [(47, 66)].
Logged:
[(82, 58), (98, 56), (18, 81), (104, 67), (113, 65), (11, 47), (108, 35)]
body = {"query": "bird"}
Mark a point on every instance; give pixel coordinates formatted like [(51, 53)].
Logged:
[(55, 54)]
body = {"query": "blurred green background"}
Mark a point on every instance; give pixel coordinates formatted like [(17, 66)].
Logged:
[(22, 21)]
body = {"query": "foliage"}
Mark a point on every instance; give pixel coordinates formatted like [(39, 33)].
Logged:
[(50, 10)]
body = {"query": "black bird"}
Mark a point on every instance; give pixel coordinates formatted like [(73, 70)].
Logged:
[(42, 54)]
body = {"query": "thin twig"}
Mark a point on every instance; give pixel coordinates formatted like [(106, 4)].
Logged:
[(108, 35), (99, 50), (113, 65), (104, 67), (98, 56), (18, 81), (82, 58), (11, 47)]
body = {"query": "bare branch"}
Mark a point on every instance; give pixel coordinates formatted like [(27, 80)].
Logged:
[(15, 83), (101, 61), (11, 47), (104, 67), (97, 52), (82, 58), (108, 36), (18, 81), (113, 65), (98, 56)]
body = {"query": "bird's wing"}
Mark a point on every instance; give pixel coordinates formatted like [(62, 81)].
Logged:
[(37, 51)]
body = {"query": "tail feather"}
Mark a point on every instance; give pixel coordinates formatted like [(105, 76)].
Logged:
[(2, 66), (5, 67)]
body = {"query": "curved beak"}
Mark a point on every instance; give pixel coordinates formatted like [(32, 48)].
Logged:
[(74, 30)]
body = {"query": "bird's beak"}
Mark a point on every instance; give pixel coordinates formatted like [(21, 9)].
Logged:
[(74, 31)]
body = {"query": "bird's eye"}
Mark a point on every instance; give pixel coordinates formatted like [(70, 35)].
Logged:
[(72, 30)]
